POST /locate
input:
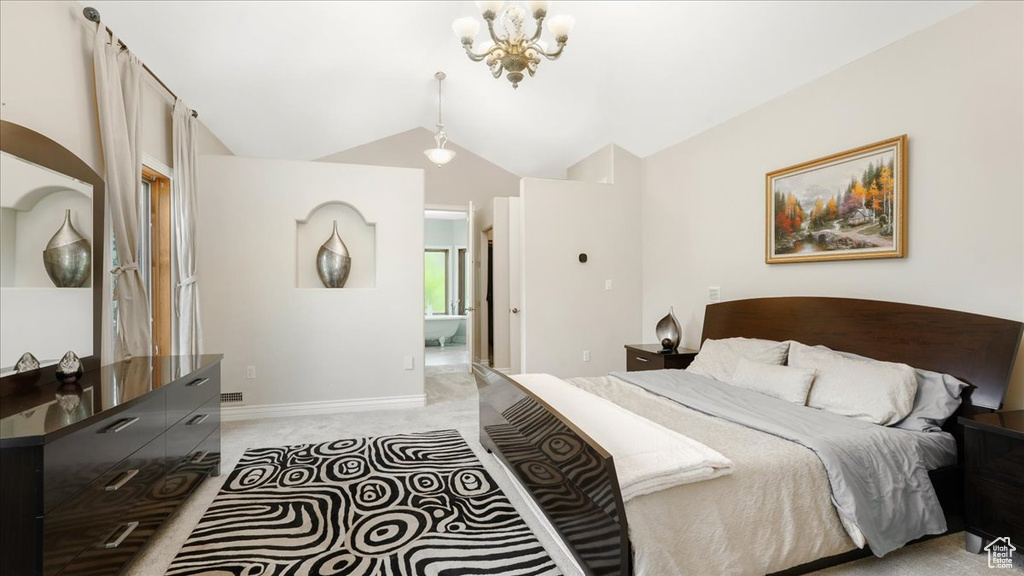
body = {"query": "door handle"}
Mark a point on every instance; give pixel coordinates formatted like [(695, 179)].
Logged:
[(128, 475), (197, 420), (515, 310), (129, 528), (122, 425)]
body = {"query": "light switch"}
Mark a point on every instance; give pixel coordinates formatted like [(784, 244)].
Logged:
[(607, 284), (407, 362), (714, 294), (586, 355)]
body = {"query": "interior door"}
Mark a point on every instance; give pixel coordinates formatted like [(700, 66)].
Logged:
[(469, 277), (515, 290)]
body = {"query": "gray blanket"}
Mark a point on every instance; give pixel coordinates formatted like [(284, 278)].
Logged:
[(878, 475)]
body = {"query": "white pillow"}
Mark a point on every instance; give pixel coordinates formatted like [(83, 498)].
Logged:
[(784, 382), (870, 390), (718, 359)]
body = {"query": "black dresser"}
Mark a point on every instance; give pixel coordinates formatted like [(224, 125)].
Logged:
[(88, 472), (994, 473)]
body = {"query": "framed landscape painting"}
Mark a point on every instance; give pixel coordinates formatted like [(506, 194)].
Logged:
[(850, 205)]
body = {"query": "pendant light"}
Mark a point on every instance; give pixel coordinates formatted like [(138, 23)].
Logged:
[(439, 154)]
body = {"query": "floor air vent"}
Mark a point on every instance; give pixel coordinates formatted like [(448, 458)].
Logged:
[(228, 397)]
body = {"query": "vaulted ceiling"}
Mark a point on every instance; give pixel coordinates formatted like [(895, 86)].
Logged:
[(301, 80)]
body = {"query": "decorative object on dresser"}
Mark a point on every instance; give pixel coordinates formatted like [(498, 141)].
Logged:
[(809, 217), (26, 363), (668, 332), (69, 369), (651, 357), (994, 478), (68, 256), (85, 485), (333, 262)]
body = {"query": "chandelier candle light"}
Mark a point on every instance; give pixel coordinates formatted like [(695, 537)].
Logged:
[(513, 52), (439, 155)]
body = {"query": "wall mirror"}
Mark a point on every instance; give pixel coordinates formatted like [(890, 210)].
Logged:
[(51, 251)]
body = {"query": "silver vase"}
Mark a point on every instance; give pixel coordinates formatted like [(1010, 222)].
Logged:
[(68, 256), (668, 332), (333, 262)]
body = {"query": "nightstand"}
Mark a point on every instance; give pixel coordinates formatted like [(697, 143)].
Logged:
[(994, 477), (647, 357)]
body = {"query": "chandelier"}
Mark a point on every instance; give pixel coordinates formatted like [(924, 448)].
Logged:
[(514, 52), (439, 154)]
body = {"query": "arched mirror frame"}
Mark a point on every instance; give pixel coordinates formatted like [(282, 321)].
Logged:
[(38, 149)]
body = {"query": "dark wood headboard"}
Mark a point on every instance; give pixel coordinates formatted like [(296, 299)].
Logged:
[(979, 350)]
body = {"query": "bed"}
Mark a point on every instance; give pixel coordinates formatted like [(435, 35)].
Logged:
[(765, 517)]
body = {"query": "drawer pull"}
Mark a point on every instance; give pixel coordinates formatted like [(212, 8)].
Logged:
[(122, 425), (199, 457), (197, 420), (198, 382), (128, 529), (128, 475), (641, 359)]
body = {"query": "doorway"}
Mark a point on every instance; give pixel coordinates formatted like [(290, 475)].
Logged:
[(447, 288)]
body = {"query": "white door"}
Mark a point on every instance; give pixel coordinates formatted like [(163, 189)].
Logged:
[(469, 277), (515, 291)]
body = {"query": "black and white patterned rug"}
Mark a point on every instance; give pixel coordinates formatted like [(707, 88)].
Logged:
[(404, 505)]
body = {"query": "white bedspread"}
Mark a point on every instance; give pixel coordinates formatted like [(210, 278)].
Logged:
[(648, 456)]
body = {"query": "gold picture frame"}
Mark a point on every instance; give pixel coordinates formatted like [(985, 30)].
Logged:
[(847, 206)]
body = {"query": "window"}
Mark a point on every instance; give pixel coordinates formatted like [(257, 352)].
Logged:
[(435, 281)]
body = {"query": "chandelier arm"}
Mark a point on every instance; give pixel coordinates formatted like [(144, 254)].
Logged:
[(552, 55), (540, 28), (478, 57), (494, 37), (498, 69)]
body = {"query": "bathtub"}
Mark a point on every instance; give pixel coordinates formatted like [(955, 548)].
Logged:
[(441, 327)]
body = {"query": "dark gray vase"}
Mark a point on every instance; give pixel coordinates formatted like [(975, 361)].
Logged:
[(68, 256), (668, 332), (333, 262)]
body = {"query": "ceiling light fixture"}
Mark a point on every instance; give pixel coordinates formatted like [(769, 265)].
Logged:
[(513, 52), (439, 155)]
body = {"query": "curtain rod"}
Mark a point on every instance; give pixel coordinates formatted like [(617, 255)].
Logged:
[(93, 15)]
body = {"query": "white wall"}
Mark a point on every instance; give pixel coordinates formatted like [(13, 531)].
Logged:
[(566, 308), (309, 345), (956, 89), (46, 83)]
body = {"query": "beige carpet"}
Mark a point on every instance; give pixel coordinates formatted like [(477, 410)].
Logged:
[(452, 403)]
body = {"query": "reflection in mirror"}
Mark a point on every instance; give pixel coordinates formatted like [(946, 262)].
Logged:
[(41, 207)]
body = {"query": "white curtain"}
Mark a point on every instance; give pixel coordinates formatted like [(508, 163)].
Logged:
[(119, 102), (183, 199)]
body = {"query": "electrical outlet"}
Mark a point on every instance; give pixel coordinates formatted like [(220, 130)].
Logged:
[(586, 355), (714, 294), (250, 372)]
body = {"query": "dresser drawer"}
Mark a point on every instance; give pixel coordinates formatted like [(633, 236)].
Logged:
[(188, 394), (79, 522), (74, 461), (185, 436), (636, 362)]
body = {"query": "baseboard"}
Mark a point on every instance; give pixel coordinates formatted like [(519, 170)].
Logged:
[(228, 413)]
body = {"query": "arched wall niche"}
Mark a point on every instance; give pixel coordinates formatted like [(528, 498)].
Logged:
[(359, 236)]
